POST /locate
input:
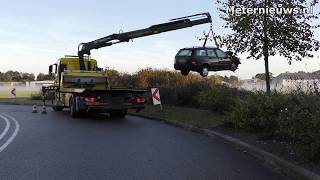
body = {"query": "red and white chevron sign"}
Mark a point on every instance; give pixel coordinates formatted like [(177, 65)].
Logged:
[(155, 96), (14, 92)]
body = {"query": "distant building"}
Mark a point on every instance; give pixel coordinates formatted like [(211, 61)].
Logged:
[(285, 82), (296, 81), (253, 84)]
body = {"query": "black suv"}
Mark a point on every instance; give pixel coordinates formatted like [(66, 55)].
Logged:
[(205, 59)]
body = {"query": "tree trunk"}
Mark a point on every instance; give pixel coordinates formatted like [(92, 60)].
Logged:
[(266, 49), (266, 64)]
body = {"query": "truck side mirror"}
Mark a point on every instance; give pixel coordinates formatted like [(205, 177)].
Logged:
[(50, 70)]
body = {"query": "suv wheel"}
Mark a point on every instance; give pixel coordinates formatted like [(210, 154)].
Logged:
[(234, 67), (185, 72), (205, 71)]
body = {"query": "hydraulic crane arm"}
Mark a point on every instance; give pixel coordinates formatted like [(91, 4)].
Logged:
[(174, 24)]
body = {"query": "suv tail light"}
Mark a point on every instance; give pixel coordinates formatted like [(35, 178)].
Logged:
[(90, 99), (194, 60), (139, 100)]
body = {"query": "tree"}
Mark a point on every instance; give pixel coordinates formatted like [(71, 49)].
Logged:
[(289, 34), (27, 77), (113, 76), (44, 77), (13, 76), (262, 76), (4, 77), (232, 80)]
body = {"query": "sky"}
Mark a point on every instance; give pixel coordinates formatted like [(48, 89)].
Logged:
[(35, 33)]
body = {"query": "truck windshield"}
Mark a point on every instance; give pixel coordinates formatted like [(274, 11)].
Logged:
[(184, 52)]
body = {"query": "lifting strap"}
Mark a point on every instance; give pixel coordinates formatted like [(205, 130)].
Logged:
[(211, 36)]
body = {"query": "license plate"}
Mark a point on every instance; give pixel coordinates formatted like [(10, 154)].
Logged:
[(182, 61)]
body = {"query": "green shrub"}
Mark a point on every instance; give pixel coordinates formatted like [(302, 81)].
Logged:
[(258, 112), (186, 93), (218, 98), (293, 118), (36, 96), (299, 122)]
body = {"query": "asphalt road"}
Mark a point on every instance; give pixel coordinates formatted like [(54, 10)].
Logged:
[(55, 146)]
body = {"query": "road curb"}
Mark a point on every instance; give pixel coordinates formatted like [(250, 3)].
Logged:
[(286, 166)]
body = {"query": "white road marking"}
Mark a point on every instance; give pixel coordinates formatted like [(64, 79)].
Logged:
[(14, 133), (6, 129)]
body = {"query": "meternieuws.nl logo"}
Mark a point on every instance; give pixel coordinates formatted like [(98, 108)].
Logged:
[(269, 10)]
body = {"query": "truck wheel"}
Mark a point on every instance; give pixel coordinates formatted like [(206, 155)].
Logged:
[(118, 113), (73, 107), (57, 108), (205, 71), (185, 72)]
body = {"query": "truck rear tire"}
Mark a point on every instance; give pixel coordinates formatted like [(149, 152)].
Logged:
[(118, 113), (73, 108)]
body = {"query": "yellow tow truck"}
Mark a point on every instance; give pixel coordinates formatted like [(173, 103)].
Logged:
[(82, 86), (89, 90)]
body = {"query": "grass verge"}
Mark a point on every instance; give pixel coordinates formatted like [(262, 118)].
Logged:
[(20, 101), (196, 117), (20, 94)]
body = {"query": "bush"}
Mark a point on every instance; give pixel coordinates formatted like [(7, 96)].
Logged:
[(36, 96), (299, 122), (293, 117), (219, 98), (258, 112)]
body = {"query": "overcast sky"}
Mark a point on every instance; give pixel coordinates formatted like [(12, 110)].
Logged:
[(35, 33)]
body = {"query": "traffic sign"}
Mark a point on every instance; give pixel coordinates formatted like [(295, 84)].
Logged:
[(14, 92), (155, 96)]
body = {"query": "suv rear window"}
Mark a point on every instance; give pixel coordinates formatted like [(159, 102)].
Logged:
[(211, 53), (201, 52), (184, 52)]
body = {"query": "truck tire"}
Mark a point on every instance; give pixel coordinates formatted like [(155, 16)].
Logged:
[(73, 107), (57, 108), (118, 113)]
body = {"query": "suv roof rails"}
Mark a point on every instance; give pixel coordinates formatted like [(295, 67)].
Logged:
[(200, 47)]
